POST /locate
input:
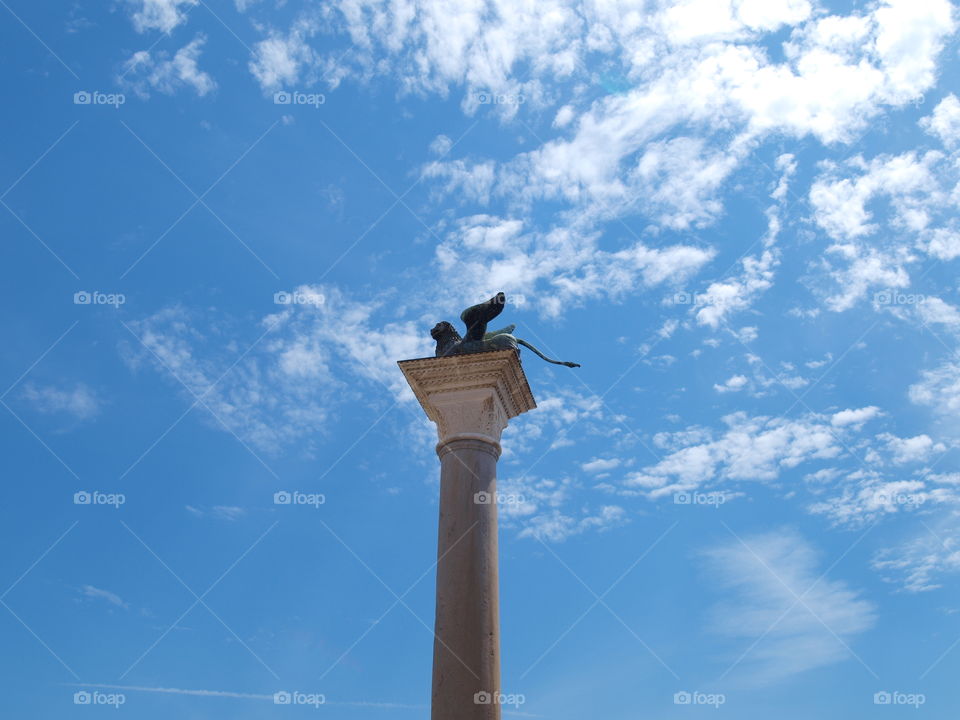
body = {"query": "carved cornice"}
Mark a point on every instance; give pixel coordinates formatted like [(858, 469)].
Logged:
[(470, 396)]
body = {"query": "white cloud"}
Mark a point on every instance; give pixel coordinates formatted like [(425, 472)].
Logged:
[(432, 46), (163, 15), (911, 450), (698, 92), (279, 59), (222, 512), (733, 384), (918, 564), (945, 121), (909, 36), (539, 509), (678, 181), (840, 203), (731, 295), (866, 254), (229, 512), (244, 696), (935, 311), (699, 65), (860, 497), (558, 413), (90, 591), (144, 72), (855, 418), (686, 21), (557, 268), (554, 526), (441, 145), (750, 448), (474, 180), (283, 389), (864, 268), (940, 389), (564, 116), (727, 296), (944, 243), (79, 402), (600, 465), (764, 575), (259, 400)]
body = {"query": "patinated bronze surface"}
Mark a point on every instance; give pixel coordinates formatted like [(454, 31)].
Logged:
[(477, 339)]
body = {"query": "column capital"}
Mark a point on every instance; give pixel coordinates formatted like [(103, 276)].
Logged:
[(472, 396)]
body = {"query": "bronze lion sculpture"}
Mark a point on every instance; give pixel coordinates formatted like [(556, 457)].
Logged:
[(477, 338)]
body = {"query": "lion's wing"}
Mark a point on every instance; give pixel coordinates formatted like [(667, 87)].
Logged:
[(504, 331)]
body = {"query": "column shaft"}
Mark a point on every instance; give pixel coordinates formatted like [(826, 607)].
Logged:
[(466, 654)]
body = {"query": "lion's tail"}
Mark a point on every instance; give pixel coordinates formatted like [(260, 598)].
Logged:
[(555, 362)]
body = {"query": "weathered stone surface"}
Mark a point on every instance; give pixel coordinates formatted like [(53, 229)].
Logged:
[(471, 398)]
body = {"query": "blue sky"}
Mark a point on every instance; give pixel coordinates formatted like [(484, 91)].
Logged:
[(738, 215)]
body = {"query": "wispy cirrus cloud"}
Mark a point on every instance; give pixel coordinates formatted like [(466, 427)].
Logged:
[(922, 562), (91, 592), (280, 384), (786, 616), (245, 695), (78, 402)]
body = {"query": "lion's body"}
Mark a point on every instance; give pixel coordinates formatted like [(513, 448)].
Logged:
[(450, 343)]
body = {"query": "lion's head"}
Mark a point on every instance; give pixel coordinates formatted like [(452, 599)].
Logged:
[(444, 331), (446, 336)]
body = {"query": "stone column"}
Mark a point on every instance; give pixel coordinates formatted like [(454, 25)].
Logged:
[(470, 398)]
